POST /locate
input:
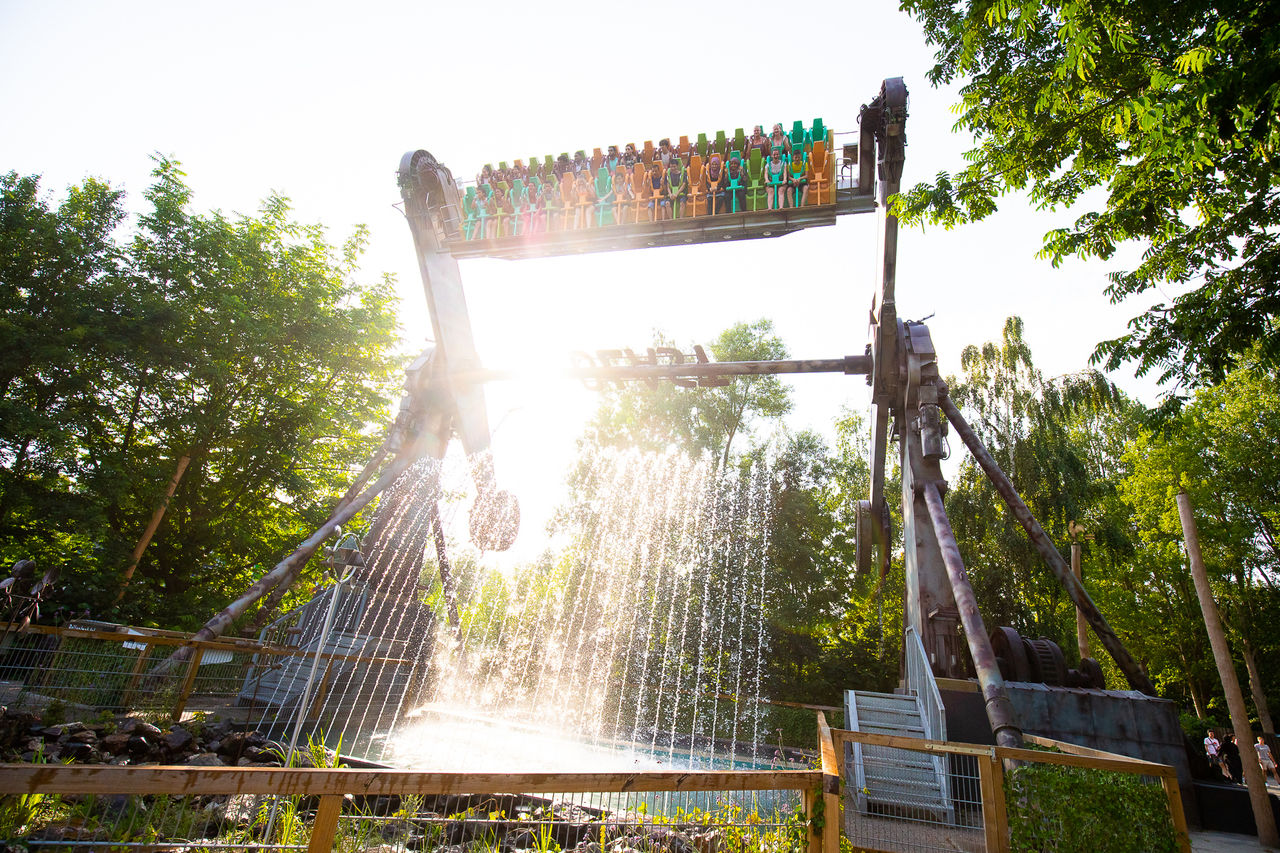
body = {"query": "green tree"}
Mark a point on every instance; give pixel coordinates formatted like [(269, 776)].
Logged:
[(1041, 432), (1221, 449), (245, 343), (698, 419), (1171, 110)]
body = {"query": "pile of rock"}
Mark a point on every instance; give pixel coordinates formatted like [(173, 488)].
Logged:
[(24, 737)]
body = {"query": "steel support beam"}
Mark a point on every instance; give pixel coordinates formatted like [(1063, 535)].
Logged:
[(1132, 672)]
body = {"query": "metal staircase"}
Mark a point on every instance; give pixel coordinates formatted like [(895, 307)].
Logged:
[(896, 780)]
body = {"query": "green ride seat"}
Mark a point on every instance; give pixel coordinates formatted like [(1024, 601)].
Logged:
[(519, 197), (604, 198), (722, 144), (756, 196), (771, 181), (548, 162), (739, 139), (702, 146), (470, 213), (797, 135), (818, 133), (502, 164), (483, 193)]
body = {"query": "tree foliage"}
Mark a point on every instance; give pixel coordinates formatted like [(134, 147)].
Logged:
[(244, 343), (1171, 109)]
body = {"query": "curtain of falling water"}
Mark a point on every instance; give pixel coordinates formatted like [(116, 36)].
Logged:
[(641, 631)]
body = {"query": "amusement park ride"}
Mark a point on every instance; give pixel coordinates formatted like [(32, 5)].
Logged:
[(992, 684)]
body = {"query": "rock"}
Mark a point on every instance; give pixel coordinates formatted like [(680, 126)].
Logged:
[(204, 759), (138, 745), (77, 751), (86, 736), (233, 744), (707, 842), (119, 760), (116, 743), (178, 739), (259, 753), (138, 727)]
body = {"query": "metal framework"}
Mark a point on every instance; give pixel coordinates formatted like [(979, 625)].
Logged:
[(444, 400)]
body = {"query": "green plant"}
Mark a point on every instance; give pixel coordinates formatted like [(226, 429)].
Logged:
[(55, 713), (1052, 808)]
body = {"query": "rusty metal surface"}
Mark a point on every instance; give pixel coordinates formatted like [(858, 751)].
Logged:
[(850, 364), (999, 708), (1132, 672)]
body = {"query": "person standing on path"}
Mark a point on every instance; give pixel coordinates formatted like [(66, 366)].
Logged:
[(1230, 752), (1266, 760)]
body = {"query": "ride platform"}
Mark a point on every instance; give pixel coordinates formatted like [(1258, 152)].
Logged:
[(745, 225)]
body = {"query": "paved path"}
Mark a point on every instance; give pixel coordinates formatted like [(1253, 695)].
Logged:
[(1223, 842)]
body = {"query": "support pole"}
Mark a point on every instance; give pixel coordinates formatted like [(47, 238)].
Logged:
[(1084, 604), (1253, 776), (999, 708), (1082, 624)]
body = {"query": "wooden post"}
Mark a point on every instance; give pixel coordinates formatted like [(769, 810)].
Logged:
[(1169, 781), (187, 683), (152, 526), (811, 797), (326, 824), (1082, 624), (1253, 777), (831, 799), (135, 675), (995, 815)]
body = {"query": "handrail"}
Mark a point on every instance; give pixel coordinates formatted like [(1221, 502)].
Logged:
[(101, 778), (921, 684)]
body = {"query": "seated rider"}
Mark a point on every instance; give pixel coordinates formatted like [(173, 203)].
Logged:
[(779, 141), (735, 187), (775, 178), (612, 159), (580, 163), (757, 140), (659, 201), (714, 175), (666, 153), (486, 174), (630, 157), (623, 196), (563, 165), (585, 201), (797, 176), (677, 185)]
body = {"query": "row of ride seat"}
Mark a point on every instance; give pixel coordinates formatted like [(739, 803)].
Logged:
[(703, 144), (559, 206)]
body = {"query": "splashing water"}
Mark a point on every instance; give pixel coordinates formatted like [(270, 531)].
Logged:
[(637, 642)]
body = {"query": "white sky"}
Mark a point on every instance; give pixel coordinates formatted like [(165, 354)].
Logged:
[(319, 100)]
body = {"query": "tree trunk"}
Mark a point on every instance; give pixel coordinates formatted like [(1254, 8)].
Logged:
[(1255, 687), (1253, 776)]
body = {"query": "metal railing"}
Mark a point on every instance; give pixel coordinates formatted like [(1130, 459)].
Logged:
[(982, 798), (921, 684), (94, 670)]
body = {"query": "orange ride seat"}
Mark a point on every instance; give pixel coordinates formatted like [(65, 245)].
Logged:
[(819, 183), (697, 203), (640, 187), (647, 153), (622, 206), (570, 198)]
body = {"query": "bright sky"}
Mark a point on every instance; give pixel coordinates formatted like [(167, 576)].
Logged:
[(319, 100)]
